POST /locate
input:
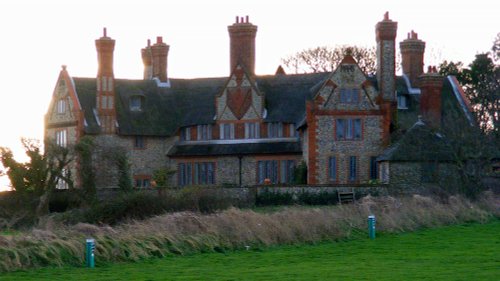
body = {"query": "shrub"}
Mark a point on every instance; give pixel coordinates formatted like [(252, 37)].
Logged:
[(267, 197), (320, 198)]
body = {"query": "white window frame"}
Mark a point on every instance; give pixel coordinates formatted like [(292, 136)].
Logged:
[(61, 106), (62, 138)]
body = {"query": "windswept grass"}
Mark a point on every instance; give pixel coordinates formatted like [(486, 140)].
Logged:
[(187, 232), (459, 252)]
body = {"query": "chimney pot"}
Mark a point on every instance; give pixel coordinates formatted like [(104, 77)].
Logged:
[(386, 15), (159, 40), (149, 42), (237, 19), (104, 32), (247, 19)]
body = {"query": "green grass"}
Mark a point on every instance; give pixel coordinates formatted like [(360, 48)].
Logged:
[(463, 252)]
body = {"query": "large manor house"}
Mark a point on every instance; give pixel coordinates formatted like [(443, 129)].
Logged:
[(347, 126)]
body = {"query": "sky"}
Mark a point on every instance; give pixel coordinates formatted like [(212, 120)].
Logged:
[(37, 37)]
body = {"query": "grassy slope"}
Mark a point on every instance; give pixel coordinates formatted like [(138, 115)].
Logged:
[(467, 252)]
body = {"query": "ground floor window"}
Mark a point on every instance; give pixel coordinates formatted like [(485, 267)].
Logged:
[(196, 173), (429, 172), (373, 168), (142, 181), (353, 168), (276, 171), (332, 168)]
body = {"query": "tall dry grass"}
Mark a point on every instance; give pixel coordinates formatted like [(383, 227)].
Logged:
[(188, 232)]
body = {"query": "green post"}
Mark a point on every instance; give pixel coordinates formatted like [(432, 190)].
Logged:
[(371, 226), (89, 253)]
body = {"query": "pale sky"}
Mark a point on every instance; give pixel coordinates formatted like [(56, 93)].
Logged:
[(40, 36)]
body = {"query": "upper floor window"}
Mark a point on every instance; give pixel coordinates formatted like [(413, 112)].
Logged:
[(139, 142), (348, 129), (275, 130), (186, 133), (136, 103), (226, 131), (61, 106), (62, 138), (349, 95), (252, 130), (402, 102), (293, 131), (204, 132)]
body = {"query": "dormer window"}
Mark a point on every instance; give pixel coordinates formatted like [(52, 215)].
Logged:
[(61, 106), (402, 102), (349, 95), (136, 103)]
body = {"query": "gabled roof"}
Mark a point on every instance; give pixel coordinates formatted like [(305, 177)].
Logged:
[(420, 143)]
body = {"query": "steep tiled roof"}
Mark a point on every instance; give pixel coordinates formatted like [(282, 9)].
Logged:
[(420, 143), (191, 101)]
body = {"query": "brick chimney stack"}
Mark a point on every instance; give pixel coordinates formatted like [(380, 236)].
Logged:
[(386, 31), (431, 84), (242, 44), (105, 47), (147, 59), (105, 97), (159, 54), (412, 51)]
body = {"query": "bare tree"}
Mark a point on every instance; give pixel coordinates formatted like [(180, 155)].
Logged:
[(326, 59)]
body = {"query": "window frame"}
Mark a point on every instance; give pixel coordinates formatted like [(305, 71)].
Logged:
[(61, 106), (139, 142), (349, 95), (353, 168), (132, 103), (349, 129), (332, 169)]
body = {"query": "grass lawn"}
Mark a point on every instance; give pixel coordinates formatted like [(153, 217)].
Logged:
[(464, 252)]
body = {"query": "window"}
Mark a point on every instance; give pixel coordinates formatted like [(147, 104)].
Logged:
[(186, 133), (352, 168), (293, 131), (252, 130), (287, 168), (332, 168), (384, 172), (226, 131), (276, 171), (199, 173), (139, 142), (136, 103), (349, 95), (62, 138), (373, 168), (103, 80), (267, 170), (402, 102), (204, 132), (104, 102), (61, 106), (110, 102), (61, 183), (142, 181), (204, 173), (348, 129), (429, 172), (275, 130)]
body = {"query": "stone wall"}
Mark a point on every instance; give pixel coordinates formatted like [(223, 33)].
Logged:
[(407, 176), (369, 145), (143, 162)]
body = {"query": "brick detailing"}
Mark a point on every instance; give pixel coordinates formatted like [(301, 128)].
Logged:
[(159, 53), (312, 161), (242, 44), (431, 84), (105, 98), (412, 52), (386, 31), (147, 59)]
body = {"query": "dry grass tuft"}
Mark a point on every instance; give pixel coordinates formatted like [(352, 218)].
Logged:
[(189, 232)]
